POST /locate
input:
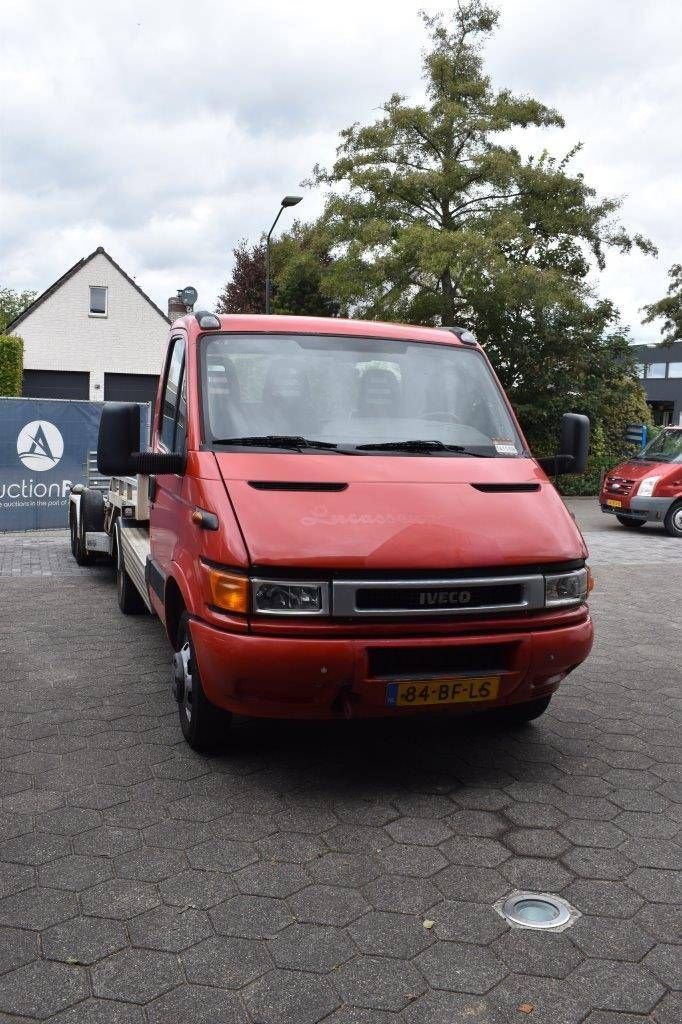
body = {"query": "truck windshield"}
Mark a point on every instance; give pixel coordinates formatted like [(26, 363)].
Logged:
[(667, 447), (365, 394)]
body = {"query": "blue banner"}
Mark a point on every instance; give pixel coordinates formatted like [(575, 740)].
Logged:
[(44, 445)]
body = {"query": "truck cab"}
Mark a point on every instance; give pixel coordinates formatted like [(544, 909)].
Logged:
[(647, 488), (340, 518)]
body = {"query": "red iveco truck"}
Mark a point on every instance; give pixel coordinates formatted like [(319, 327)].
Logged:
[(648, 487), (340, 518)]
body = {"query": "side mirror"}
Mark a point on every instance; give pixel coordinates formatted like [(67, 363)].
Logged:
[(574, 446), (118, 445)]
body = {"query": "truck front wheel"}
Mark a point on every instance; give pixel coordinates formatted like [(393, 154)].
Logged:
[(673, 520), (203, 724)]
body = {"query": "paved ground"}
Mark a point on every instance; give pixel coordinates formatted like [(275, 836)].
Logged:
[(289, 882)]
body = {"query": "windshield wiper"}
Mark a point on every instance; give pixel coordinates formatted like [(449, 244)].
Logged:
[(275, 441), (421, 445)]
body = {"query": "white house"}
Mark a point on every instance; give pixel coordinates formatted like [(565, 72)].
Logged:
[(92, 334)]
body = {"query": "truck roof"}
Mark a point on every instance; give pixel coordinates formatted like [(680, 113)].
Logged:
[(276, 324)]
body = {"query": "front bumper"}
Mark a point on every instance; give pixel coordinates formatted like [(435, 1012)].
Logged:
[(646, 509), (287, 677)]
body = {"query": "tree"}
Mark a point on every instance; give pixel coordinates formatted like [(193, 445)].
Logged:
[(298, 259), (245, 290), (11, 365), (435, 217), (669, 308), (12, 303)]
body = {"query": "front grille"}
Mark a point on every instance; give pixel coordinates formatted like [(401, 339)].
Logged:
[(415, 662), (439, 598), (453, 597), (618, 485)]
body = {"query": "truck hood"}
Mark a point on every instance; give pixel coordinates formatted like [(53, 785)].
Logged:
[(397, 513), (638, 469)]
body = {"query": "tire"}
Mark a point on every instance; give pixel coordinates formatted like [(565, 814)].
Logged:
[(673, 520), (203, 724), (630, 524), (73, 533), (129, 598), (81, 554), (520, 714)]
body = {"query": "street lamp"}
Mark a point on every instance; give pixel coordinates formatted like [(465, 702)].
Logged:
[(287, 201)]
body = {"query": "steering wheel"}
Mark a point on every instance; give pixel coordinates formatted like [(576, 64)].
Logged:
[(441, 416)]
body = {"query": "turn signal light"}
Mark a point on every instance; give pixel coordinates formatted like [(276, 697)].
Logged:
[(590, 581), (228, 591)]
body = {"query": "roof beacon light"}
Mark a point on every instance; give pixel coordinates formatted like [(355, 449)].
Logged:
[(207, 321), (468, 337)]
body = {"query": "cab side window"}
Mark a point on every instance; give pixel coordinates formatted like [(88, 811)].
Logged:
[(173, 426)]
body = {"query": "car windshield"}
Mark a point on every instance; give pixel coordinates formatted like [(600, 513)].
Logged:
[(667, 447), (365, 395)]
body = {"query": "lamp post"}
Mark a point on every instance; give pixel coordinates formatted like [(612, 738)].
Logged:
[(287, 201)]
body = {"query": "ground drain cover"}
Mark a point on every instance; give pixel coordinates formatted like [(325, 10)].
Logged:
[(537, 910)]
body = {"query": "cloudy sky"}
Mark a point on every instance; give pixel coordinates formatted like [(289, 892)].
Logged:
[(167, 131)]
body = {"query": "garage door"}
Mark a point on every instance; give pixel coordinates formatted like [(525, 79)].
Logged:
[(130, 387), (55, 384)]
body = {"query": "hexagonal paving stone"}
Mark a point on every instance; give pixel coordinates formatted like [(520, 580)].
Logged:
[(281, 997), (553, 1000), (34, 848), (400, 893), (417, 861), (169, 928), (226, 961), (83, 940), (440, 1007), (646, 826), (602, 898), (352, 869), (378, 983), (311, 947), (536, 842), (119, 898), (478, 885), (669, 1010), (419, 831), (611, 939), (40, 989), (327, 904), (476, 823), (459, 921), (661, 921), (597, 862), (251, 917), (15, 877), (665, 963), (535, 873), (101, 1011), (349, 838), (543, 953), (199, 889), (657, 885), (75, 872), (107, 841), (68, 821), (461, 968), (221, 855), (17, 948), (423, 805), (198, 1004), (37, 908), (149, 864), (614, 985), (533, 815), (272, 879), (358, 1015), (135, 975), (293, 847), (481, 852), (593, 833), (653, 853), (398, 935)]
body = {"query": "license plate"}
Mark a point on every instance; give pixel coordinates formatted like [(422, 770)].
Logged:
[(457, 690), (614, 503)]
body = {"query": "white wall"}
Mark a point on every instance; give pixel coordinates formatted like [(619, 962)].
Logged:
[(61, 335)]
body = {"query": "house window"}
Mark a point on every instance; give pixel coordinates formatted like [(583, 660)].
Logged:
[(675, 369), (98, 300), (656, 370)]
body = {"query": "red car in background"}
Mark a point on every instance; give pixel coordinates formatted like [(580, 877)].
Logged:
[(648, 487)]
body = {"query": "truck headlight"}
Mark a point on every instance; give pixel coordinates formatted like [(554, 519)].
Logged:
[(647, 486), (566, 588), (281, 597)]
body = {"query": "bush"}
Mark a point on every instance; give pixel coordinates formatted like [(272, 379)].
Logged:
[(11, 365)]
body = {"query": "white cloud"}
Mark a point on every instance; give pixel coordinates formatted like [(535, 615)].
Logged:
[(167, 132)]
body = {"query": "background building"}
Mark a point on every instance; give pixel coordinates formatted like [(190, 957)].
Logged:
[(92, 334), (661, 373)]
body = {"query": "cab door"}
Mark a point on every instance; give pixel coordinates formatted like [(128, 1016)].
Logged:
[(168, 503)]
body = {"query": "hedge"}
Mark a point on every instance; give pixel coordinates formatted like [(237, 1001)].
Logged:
[(11, 365)]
